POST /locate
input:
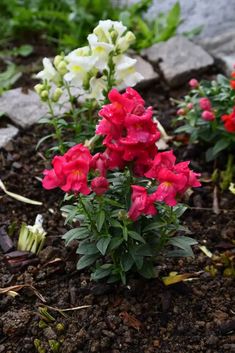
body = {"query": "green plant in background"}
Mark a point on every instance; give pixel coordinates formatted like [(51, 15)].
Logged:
[(208, 114), (66, 23)]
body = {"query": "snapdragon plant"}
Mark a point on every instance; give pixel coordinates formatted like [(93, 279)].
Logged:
[(208, 116), (79, 82), (124, 198)]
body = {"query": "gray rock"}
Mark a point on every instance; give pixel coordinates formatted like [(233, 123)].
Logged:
[(178, 59), (7, 134), (213, 16), (23, 109), (222, 47), (146, 70)]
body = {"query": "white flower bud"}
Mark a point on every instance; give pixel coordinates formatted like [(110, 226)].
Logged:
[(38, 88), (57, 94), (44, 95), (57, 60), (62, 67)]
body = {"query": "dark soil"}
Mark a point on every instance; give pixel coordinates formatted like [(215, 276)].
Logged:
[(144, 316)]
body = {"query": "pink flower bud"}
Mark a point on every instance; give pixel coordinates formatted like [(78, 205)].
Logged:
[(194, 83), (99, 185), (205, 104), (208, 116), (180, 112), (190, 106)]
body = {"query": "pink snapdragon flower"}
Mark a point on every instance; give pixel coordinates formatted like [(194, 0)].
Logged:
[(142, 203), (99, 185)]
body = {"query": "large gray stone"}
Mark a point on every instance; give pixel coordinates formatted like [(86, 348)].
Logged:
[(214, 16), (146, 70), (178, 59), (7, 134), (23, 109), (222, 47)]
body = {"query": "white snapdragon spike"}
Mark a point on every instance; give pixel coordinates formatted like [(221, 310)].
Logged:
[(97, 86), (125, 71), (48, 73), (78, 68), (109, 31), (100, 50)]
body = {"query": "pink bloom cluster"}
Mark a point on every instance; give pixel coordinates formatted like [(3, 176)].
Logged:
[(130, 133), (130, 139)]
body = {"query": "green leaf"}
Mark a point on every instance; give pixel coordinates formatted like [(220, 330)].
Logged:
[(43, 139), (76, 233), (127, 261), (147, 271), (220, 146), (153, 226), (86, 248), (115, 242), (183, 243), (86, 261), (103, 244), (100, 220), (136, 236), (101, 272), (179, 210), (25, 50)]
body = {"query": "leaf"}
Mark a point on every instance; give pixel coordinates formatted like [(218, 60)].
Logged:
[(115, 242), (174, 278), (86, 261), (76, 233), (136, 236), (101, 272), (100, 220), (147, 270), (44, 138), (220, 146), (206, 251), (87, 248), (183, 243), (179, 210), (130, 320), (127, 261), (25, 50), (103, 244), (19, 197), (153, 226)]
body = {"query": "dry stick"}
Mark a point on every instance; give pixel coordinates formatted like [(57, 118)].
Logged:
[(210, 209), (215, 207)]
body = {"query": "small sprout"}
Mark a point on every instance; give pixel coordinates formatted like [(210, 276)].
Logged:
[(37, 345), (54, 345), (229, 272), (42, 324), (212, 270), (45, 315), (32, 238), (60, 327)]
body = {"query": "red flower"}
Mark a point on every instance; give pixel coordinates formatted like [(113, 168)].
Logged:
[(232, 82), (161, 160), (130, 133), (99, 162), (142, 203), (229, 121), (208, 116), (205, 104), (99, 185), (69, 171)]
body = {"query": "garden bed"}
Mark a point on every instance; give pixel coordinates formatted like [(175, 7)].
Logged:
[(144, 316)]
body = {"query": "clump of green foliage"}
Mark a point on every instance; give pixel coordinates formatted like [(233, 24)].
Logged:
[(66, 23)]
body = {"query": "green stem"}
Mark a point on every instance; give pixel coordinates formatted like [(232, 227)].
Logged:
[(93, 225)]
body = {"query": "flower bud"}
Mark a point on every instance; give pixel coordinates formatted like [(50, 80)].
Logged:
[(38, 88), (194, 83), (44, 95), (57, 60), (124, 42), (62, 67), (99, 32), (180, 112), (57, 94), (190, 106), (208, 116), (99, 185), (205, 103)]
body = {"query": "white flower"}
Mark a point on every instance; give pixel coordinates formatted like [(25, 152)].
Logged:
[(49, 73), (125, 41), (97, 86), (109, 31), (100, 50), (78, 68), (125, 72)]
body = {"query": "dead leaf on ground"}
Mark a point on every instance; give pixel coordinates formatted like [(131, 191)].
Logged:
[(130, 320), (13, 290), (175, 278)]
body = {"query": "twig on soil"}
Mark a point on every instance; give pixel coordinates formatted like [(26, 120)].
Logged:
[(216, 209), (12, 290)]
